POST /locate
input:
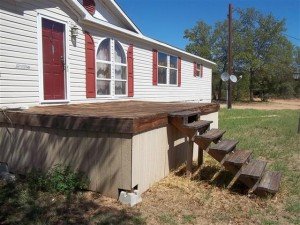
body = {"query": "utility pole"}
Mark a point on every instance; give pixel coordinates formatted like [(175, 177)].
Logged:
[(229, 99)]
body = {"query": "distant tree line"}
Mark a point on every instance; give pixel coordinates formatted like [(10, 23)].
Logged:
[(262, 55)]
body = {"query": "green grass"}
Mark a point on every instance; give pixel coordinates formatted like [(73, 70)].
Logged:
[(188, 219), (270, 222), (272, 136), (167, 219)]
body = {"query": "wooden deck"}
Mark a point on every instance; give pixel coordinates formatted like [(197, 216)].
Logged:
[(128, 117)]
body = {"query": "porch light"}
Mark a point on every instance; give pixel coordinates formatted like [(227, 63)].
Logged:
[(74, 31)]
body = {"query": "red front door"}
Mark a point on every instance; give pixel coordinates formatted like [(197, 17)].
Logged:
[(53, 60)]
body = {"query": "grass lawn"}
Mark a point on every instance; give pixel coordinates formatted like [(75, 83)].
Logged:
[(271, 135)]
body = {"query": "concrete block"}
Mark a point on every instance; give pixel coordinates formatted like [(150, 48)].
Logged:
[(3, 167), (131, 198), (7, 177)]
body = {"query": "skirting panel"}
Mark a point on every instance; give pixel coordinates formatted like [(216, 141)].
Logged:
[(104, 158)]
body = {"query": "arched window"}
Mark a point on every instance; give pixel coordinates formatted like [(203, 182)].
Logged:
[(111, 69)]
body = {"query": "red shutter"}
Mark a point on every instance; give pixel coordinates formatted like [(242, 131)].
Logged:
[(201, 70), (90, 66), (130, 71), (179, 71), (155, 69), (195, 69), (90, 6)]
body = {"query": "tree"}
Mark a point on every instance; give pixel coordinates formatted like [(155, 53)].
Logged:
[(264, 51), (211, 43), (200, 38), (202, 43), (296, 55), (260, 50), (219, 54)]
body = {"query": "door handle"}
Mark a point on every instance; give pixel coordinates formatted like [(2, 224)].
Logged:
[(62, 59)]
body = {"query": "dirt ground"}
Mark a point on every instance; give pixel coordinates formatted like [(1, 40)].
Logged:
[(273, 104)]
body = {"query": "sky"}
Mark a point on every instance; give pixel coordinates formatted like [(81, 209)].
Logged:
[(166, 20)]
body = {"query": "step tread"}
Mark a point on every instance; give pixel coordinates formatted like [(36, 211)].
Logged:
[(224, 146), (270, 181), (184, 113), (198, 124), (212, 134), (238, 157), (254, 169)]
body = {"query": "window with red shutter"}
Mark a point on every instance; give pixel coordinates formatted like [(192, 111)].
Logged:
[(90, 66), (112, 71), (90, 6), (130, 71)]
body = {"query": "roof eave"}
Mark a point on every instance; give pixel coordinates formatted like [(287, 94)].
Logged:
[(90, 20), (126, 17)]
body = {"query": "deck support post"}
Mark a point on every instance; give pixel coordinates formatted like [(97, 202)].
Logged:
[(189, 158), (200, 157)]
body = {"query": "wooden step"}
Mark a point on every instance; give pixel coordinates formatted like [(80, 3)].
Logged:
[(224, 146), (211, 135), (205, 139), (270, 182), (184, 114), (238, 158), (198, 124), (254, 169)]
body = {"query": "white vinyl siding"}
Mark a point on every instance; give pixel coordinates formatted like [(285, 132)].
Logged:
[(19, 47), (192, 88)]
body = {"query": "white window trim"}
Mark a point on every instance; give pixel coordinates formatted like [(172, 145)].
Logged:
[(199, 71), (112, 75), (41, 63), (168, 67)]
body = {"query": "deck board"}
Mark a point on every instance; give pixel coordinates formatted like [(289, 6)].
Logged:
[(238, 157), (111, 117), (270, 182), (224, 146), (198, 124), (212, 134), (254, 169)]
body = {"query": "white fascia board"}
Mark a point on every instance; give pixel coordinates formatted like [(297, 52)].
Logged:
[(125, 16), (90, 20), (197, 58), (74, 4)]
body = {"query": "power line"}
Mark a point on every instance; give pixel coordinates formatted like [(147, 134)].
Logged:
[(291, 36)]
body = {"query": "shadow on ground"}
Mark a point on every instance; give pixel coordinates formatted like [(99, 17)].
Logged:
[(20, 205), (222, 180)]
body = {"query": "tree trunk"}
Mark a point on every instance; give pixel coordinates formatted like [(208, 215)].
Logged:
[(220, 90), (251, 85), (221, 82)]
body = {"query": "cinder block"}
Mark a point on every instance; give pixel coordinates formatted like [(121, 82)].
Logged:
[(131, 198)]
